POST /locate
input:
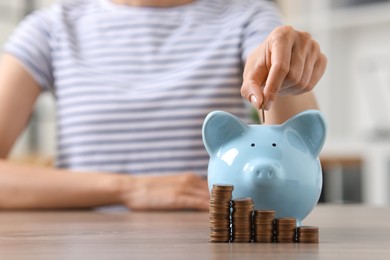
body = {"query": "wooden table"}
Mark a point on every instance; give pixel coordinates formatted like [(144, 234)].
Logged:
[(346, 232)]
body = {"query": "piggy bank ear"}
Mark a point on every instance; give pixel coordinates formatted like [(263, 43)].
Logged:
[(310, 126), (220, 127)]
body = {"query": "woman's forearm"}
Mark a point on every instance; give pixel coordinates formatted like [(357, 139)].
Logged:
[(31, 187)]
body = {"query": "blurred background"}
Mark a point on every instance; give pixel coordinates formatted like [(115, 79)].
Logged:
[(354, 94)]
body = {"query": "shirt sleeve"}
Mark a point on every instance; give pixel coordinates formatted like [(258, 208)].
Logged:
[(263, 17), (30, 44)]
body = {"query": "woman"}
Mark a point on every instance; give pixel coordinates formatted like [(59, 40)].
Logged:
[(133, 81)]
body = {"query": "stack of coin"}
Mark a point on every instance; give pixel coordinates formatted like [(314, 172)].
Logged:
[(242, 220), (307, 234), (263, 223), (221, 196), (285, 230)]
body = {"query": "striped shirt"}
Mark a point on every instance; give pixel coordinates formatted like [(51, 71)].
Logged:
[(134, 84)]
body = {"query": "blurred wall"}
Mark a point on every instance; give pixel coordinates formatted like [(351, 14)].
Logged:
[(355, 91)]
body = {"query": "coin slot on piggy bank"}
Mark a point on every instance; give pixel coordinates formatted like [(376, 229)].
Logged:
[(276, 165)]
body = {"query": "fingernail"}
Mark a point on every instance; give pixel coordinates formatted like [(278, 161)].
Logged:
[(268, 105), (254, 102)]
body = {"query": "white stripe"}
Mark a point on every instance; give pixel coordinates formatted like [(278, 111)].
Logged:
[(74, 140), (144, 40), (94, 86), (69, 104), (140, 167), (117, 117), (145, 86), (147, 68), (72, 130)]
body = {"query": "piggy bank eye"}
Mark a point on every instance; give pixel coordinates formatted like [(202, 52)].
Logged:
[(273, 144), (253, 144)]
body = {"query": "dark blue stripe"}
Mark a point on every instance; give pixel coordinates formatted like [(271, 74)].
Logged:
[(150, 109), (125, 33), (121, 52), (139, 160), (73, 78), (161, 129), (155, 119), (117, 98), (63, 155), (112, 30), (99, 42), (162, 14), (71, 64), (80, 73), (75, 48), (145, 29), (120, 99)]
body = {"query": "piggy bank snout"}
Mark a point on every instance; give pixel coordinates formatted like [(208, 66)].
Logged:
[(262, 172)]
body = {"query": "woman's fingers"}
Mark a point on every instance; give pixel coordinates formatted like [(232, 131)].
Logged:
[(179, 191), (289, 62)]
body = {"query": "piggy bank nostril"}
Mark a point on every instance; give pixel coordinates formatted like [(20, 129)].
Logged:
[(264, 172)]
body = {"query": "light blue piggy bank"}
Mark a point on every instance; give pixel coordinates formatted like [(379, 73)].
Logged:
[(276, 165)]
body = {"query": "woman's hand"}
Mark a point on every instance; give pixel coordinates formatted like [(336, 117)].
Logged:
[(288, 62), (166, 192)]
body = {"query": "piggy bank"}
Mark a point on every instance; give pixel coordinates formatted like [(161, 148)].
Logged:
[(276, 165)]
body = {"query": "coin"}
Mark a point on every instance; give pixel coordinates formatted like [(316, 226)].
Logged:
[(308, 234), (285, 230), (262, 112), (242, 220), (219, 212), (263, 224)]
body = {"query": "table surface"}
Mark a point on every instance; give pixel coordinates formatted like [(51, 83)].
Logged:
[(346, 232)]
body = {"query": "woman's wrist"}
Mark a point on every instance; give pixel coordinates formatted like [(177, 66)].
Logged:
[(124, 188)]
